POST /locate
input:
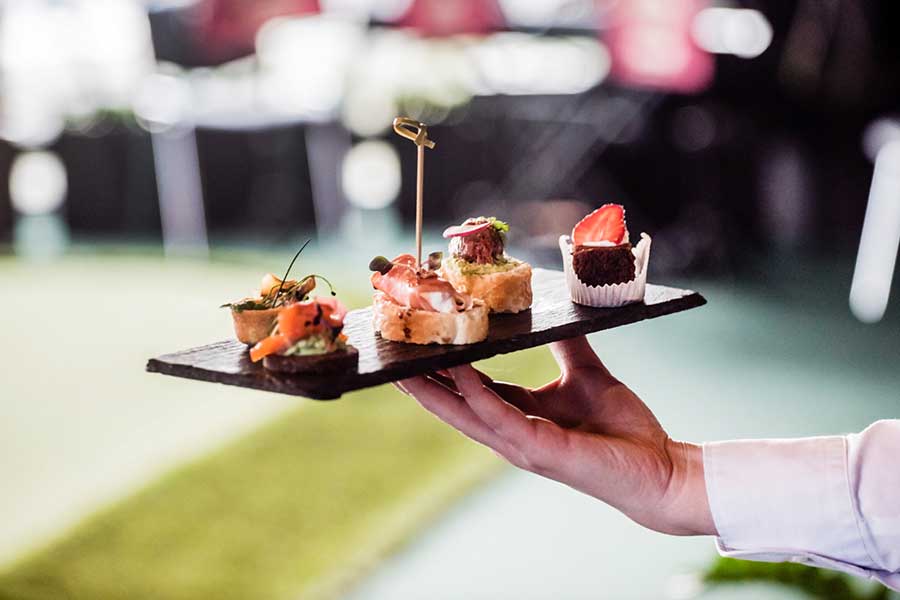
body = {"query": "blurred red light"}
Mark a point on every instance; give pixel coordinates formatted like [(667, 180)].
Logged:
[(437, 18), (651, 45)]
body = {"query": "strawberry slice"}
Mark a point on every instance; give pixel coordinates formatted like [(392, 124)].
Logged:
[(464, 230), (606, 224)]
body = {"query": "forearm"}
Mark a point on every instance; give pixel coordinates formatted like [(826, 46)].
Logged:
[(670, 497), (687, 506)]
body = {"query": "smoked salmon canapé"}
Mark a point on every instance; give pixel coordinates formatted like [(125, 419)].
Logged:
[(308, 338), (255, 316)]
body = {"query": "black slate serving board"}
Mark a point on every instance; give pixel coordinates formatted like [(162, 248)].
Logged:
[(553, 317)]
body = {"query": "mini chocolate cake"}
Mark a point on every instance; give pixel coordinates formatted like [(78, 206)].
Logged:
[(331, 363), (603, 265)]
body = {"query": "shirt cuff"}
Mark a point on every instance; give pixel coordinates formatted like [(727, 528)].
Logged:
[(785, 500)]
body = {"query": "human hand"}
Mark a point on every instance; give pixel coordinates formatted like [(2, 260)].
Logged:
[(585, 429)]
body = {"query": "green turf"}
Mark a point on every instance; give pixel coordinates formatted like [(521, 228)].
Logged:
[(298, 508), (317, 494), (815, 583)]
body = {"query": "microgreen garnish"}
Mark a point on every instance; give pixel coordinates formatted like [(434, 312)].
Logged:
[(499, 225), (286, 292), (286, 273), (248, 304), (330, 287)]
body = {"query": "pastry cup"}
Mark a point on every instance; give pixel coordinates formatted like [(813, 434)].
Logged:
[(607, 296), (251, 326)]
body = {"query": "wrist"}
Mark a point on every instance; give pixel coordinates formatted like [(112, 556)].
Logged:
[(687, 503)]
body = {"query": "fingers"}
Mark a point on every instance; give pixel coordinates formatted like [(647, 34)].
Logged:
[(449, 407), (514, 394), (506, 420), (531, 443), (521, 398), (485, 378), (480, 413), (575, 353)]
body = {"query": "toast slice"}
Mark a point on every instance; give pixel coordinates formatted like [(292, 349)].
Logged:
[(330, 363), (404, 324), (502, 292)]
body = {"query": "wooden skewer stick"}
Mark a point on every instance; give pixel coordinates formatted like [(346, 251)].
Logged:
[(418, 133)]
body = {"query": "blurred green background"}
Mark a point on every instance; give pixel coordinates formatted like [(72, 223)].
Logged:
[(122, 484)]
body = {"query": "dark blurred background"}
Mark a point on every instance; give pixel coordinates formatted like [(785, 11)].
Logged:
[(158, 157), (729, 129)]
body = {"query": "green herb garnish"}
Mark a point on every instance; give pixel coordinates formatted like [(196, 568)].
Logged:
[(286, 293), (499, 225), (286, 273), (248, 304), (314, 276)]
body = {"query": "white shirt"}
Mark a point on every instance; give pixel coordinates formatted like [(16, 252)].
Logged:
[(831, 502)]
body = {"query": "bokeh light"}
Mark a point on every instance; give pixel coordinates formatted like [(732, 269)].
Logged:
[(880, 239), (371, 175), (163, 101), (60, 60), (37, 183), (304, 63), (742, 32), (529, 13), (515, 63)]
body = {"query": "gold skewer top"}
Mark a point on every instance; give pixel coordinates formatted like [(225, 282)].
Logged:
[(418, 133), (413, 130)]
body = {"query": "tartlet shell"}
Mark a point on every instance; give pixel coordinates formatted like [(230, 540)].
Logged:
[(251, 326)]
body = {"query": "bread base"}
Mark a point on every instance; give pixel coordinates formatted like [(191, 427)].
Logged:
[(502, 292), (403, 324), (330, 363)]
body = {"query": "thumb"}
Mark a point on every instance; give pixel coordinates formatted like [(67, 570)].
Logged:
[(575, 353)]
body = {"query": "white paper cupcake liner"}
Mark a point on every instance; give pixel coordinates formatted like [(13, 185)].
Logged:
[(618, 294)]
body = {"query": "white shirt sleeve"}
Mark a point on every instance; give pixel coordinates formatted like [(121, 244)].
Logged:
[(831, 502)]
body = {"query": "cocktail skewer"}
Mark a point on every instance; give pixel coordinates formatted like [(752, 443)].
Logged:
[(418, 133)]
